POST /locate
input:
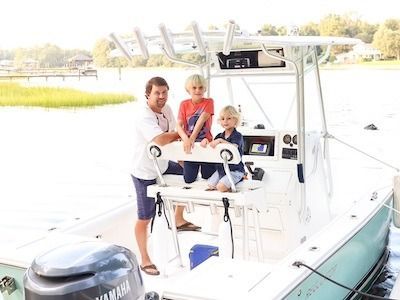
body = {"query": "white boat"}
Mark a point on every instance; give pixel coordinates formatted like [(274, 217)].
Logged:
[(294, 235)]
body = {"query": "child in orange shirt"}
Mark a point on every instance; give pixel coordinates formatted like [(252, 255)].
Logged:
[(194, 124)]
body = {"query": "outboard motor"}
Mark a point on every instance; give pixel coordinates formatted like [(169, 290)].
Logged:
[(85, 270)]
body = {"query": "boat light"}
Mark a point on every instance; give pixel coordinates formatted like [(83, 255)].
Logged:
[(121, 45), (229, 38), (169, 48), (141, 42), (198, 38)]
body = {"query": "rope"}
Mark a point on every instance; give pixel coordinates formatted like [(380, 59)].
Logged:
[(366, 154), (300, 264), (160, 209), (392, 208), (227, 218)]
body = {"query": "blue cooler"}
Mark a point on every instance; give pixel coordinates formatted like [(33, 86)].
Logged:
[(199, 253)]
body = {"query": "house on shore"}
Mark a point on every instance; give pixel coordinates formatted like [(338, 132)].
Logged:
[(360, 52), (6, 65), (30, 64), (80, 61), (367, 52)]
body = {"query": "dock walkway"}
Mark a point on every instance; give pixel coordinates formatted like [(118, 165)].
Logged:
[(47, 73)]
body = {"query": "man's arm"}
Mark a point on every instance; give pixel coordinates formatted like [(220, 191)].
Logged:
[(165, 138)]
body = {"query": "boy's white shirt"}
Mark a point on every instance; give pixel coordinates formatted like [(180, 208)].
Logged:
[(146, 128)]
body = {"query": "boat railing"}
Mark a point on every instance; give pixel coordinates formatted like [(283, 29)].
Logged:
[(223, 153)]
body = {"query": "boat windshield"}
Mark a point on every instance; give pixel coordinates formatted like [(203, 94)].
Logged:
[(269, 99)]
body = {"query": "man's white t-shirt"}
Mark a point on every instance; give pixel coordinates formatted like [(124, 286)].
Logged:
[(148, 125)]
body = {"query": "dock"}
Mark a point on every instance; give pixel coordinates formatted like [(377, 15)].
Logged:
[(47, 73)]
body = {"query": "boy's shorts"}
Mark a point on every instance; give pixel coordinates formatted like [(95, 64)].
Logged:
[(237, 176)]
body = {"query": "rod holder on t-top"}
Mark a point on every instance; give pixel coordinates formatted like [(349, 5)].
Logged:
[(167, 42), (199, 39), (141, 42), (228, 40), (121, 45)]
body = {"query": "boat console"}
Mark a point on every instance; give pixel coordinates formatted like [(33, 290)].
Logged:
[(264, 203)]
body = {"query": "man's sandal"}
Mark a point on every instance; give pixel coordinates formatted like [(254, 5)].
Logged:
[(188, 227), (150, 269)]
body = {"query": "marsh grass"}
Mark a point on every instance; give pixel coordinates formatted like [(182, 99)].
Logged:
[(13, 94)]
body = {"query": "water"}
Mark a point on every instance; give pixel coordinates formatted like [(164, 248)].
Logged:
[(58, 160), (387, 278)]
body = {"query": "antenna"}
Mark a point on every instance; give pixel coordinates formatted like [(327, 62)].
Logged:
[(121, 45), (229, 38), (169, 48), (141, 42), (198, 38)]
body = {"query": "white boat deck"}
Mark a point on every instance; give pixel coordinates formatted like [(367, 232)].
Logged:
[(210, 279)]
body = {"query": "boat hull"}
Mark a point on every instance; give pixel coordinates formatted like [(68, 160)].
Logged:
[(352, 265)]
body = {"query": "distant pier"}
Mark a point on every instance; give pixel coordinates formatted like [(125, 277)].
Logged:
[(6, 74)]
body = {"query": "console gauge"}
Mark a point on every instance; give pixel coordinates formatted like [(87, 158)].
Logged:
[(287, 138)]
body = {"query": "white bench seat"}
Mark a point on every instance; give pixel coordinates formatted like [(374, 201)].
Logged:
[(248, 192)]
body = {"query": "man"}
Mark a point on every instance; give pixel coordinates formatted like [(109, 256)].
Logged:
[(155, 122)]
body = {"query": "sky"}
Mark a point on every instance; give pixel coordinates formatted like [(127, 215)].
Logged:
[(79, 23)]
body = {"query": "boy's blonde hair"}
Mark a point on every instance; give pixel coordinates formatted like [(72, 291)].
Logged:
[(231, 111), (195, 79)]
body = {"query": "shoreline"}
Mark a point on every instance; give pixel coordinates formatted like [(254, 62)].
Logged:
[(395, 65)]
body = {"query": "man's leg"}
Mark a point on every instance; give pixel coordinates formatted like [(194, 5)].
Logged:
[(176, 169), (141, 239), (180, 221), (145, 210)]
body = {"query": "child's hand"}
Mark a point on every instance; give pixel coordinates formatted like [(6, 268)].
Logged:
[(187, 146), (204, 143), (214, 143)]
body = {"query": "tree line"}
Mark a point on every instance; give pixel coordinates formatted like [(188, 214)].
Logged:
[(47, 55), (384, 37)]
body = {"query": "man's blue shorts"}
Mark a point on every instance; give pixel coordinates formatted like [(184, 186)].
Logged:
[(146, 205)]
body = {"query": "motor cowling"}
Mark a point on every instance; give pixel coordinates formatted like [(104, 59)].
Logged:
[(85, 270)]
